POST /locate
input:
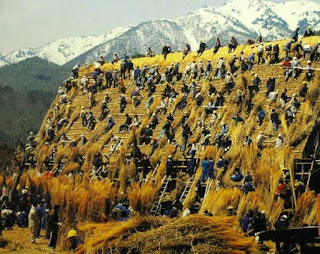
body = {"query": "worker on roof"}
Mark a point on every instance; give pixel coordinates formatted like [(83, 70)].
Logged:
[(220, 68), (306, 50), (75, 71), (123, 103), (296, 67), (186, 133), (210, 166), (123, 68), (261, 115), (309, 71), (229, 82), (108, 76), (279, 141), (150, 53), (314, 53), (275, 52), (91, 121), (260, 53), (110, 123), (186, 51), (101, 61), (255, 84), (202, 48), (295, 34), (237, 175), (296, 46), (250, 61), (274, 117), (260, 139), (217, 45), (127, 124), (165, 51), (204, 173), (308, 32), (115, 59), (192, 163), (232, 63), (287, 48), (233, 43), (208, 69), (136, 74)]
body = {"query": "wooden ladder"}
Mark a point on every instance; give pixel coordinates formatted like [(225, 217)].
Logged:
[(157, 204)]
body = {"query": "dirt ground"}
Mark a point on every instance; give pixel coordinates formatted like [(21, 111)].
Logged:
[(20, 243)]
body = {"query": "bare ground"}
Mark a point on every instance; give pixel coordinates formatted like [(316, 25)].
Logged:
[(20, 243)]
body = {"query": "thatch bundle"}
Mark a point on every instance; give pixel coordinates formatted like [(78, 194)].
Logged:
[(192, 234), (306, 210)]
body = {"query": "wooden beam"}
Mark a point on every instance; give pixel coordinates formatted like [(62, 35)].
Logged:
[(292, 188)]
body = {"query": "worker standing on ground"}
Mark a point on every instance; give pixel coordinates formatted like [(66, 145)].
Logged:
[(53, 227), (74, 240), (33, 223)]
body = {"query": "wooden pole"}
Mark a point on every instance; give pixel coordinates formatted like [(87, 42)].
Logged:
[(312, 165), (292, 188)]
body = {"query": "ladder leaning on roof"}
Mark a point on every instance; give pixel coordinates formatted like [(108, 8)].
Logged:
[(189, 185), (157, 203)]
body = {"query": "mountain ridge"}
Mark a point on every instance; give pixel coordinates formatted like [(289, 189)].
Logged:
[(240, 17)]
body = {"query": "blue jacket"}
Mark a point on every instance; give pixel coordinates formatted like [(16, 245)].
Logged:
[(204, 166), (245, 223), (95, 74), (271, 84), (125, 213), (248, 178), (191, 164), (248, 187), (251, 58), (220, 163), (125, 58), (237, 177), (137, 72), (288, 45), (209, 166), (151, 71), (261, 114)]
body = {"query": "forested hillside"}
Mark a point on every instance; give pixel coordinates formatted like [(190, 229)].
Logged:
[(26, 91)]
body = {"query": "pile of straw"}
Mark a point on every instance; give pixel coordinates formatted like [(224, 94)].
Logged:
[(192, 234)]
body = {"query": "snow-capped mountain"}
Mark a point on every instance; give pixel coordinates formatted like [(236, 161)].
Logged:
[(257, 16), (207, 23), (136, 40), (298, 13), (244, 18), (62, 50)]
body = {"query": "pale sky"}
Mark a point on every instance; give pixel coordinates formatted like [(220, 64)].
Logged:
[(33, 23)]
